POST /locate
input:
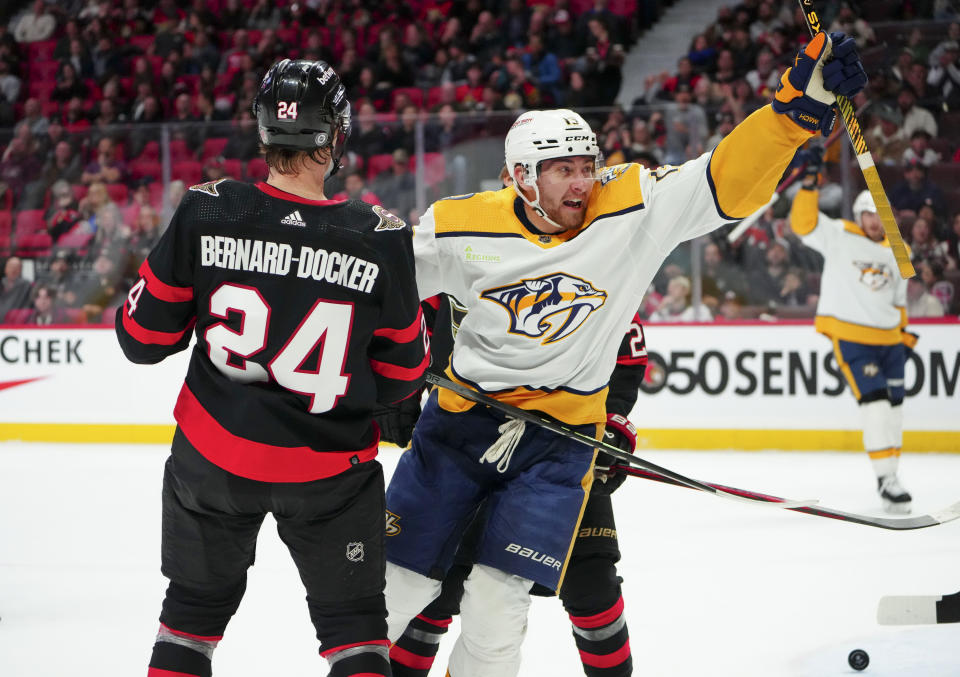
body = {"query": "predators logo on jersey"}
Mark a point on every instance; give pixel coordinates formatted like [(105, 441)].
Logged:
[(874, 275), (552, 306)]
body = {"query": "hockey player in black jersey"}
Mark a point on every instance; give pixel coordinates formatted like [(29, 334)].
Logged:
[(591, 593), (306, 315)]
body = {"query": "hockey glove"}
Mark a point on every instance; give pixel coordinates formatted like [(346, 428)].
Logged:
[(808, 89), (619, 432), (397, 420)]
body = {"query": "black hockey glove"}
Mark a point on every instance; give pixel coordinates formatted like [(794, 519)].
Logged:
[(619, 432), (397, 420), (812, 166)]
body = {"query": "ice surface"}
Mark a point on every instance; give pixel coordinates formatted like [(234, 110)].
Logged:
[(712, 588)]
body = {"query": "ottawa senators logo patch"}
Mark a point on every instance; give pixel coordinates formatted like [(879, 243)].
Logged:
[(210, 187), (388, 221)]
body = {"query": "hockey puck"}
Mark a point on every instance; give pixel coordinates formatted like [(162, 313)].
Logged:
[(858, 659)]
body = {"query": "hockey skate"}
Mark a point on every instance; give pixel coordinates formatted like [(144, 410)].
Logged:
[(896, 499)]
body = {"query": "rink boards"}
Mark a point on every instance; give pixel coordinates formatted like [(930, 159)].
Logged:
[(716, 386)]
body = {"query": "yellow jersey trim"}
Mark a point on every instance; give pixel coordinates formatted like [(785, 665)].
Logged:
[(858, 333)]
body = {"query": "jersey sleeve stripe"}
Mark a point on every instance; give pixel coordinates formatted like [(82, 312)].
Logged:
[(256, 460), (151, 336), (630, 360), (163, 291), (400, 373), (404, 335)]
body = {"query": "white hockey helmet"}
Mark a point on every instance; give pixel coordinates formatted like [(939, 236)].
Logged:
[(863, 203), (539, 135)]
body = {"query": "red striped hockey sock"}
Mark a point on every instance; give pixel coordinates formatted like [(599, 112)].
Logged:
[(414, 652), (603, 642)]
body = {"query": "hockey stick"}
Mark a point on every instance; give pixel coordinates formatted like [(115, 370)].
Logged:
[(633, 461), (897, 524), (865, 160), (919, 609)]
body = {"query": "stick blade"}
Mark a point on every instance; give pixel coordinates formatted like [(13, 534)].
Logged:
[(919, 609)]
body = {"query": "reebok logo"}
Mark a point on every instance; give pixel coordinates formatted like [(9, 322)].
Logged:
[(293, 219)]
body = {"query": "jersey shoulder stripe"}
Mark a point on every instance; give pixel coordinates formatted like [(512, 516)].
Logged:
[(480, 214), (616, 192)]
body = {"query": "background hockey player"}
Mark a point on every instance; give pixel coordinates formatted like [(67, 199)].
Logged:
[(305, 312), (591, 592), (862, 310), (551, 276)]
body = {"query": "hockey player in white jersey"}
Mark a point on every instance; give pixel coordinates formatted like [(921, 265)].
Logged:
[(551, 272), (862, 310)]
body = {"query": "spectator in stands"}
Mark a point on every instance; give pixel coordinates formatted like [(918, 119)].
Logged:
[(944, 75), (68, 85), (560, 38), (726, 67), (702, 55), (44, 312), (10, 86), (915, 189), (725, 125), (953, 243), (544, 70), (14, 290), (18, 167), (405, 136), (924, 245), (106, 59), (765, 78), (927, 97), (920, 302), (64, 164), (600, 13), (391, 71), (64, 213), (184, 121), (486, 39), (602, 63), (103, 287), (744, 50), (71, 32), (80, 59), (355, 188), (33, 118), (720, 277), (768, 283), (886, 138), (396, 187), (145, 235), (242, 144), (847, 22), (445, 130), (686, 128), (94, 203), (642, 143), (60, 279), (106, 167), (914, 116), (920, 149), (171, 200), (75, 117), (765, 22), (35, 25), (112, 237), (675, 305)]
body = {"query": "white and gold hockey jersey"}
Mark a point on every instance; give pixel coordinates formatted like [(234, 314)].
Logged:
[(862, 296), (546, 313)]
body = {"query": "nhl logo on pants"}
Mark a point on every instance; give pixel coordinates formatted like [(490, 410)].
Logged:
[(355, 552)]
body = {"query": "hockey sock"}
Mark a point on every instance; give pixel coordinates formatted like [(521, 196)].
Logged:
[(180, 654), (365, 658), (878, 437), (603, 642), (414, 653)]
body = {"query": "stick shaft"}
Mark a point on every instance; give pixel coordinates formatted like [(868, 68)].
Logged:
[(870, 174)]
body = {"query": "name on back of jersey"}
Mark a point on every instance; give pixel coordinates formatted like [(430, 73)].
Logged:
[(276, 258)]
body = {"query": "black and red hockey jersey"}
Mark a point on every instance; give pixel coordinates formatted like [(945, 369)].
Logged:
[(305, 313)]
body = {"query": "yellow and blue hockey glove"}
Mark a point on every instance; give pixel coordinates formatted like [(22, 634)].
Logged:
[(808, 89)]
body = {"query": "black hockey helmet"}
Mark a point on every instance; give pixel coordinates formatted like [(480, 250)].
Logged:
[(299, 107)]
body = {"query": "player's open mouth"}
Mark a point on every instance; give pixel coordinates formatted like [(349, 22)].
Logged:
[(573, 204)]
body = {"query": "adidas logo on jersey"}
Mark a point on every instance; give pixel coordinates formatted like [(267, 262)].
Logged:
[(293, 219)]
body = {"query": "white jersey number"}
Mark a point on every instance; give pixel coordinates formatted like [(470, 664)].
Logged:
[(325, 328)]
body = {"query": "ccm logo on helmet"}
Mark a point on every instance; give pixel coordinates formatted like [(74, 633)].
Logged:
[(577, 138)]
